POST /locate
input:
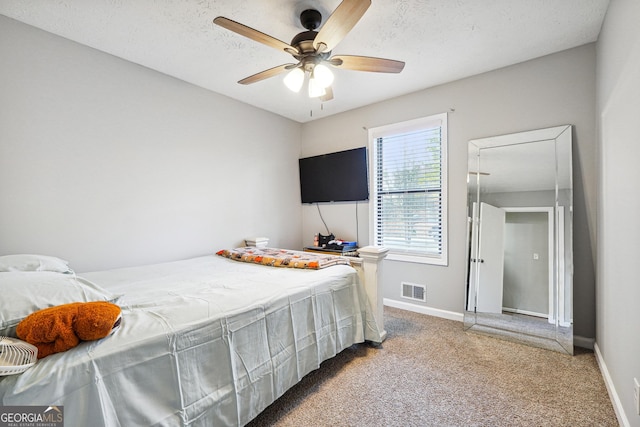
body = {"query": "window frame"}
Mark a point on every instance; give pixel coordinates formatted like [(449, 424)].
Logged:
[(400, 128)]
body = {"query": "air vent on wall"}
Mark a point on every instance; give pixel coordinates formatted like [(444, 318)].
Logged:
[(414, 291)]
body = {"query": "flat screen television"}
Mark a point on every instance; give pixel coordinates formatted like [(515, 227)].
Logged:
[(335, 177)]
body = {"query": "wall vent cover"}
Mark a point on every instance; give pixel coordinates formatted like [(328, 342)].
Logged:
[(414, 291)]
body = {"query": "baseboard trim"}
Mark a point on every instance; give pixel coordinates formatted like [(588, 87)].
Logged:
[(451, 315), (583, 342), (525, 312), (613, 395)]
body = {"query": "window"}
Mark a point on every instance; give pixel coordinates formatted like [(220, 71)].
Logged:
[(409, 189)]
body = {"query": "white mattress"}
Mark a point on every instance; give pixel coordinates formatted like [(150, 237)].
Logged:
[(207, 341)]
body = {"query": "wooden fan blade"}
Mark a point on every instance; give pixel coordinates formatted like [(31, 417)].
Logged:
[(341, 21), (366, 63), (328, 94), (262, 75), (256, 35)]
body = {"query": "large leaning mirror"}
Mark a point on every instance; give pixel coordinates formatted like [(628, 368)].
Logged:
[(520, 255)]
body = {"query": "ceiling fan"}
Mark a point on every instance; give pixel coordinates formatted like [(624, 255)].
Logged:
[(312, 49)]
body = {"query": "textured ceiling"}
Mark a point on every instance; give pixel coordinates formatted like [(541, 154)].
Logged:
[(440, 41)]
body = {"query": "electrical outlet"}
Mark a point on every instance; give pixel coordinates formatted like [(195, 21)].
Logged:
[(636, 394)]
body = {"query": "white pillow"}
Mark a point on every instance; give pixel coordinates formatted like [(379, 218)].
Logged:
[(29, 262), (23, 293)]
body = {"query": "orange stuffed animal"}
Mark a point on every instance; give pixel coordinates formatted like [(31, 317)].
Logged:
[(57, 329)]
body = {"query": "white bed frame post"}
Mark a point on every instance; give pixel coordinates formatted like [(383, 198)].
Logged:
[(370, 272)]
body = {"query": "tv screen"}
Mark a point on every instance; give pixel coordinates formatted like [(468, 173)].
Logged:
[(335, 177)]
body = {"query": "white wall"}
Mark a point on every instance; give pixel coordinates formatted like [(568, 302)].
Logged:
[(553, 90), (106, 163), (618, 291)]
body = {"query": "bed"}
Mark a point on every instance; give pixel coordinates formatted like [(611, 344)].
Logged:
[(203, 342)]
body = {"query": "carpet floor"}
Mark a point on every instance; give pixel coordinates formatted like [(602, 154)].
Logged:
[(429, 372)]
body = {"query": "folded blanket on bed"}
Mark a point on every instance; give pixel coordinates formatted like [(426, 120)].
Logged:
[(282, 257)]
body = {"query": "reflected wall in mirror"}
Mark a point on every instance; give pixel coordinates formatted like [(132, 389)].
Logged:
[(520, 255)]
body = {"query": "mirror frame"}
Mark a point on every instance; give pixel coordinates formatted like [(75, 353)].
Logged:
[(559, 335)]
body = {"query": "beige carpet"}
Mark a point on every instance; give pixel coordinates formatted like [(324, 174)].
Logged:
[(429, 372)]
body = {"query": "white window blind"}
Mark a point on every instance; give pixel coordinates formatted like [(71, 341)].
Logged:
[(409, 189)]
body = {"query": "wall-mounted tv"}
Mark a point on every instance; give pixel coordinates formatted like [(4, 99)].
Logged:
[(335, 177)]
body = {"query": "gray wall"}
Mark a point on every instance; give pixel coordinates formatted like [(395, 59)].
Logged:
[(618, 291), (106, 163), (554, 90)]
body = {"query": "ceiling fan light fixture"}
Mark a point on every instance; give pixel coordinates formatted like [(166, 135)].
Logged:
[(323, 75), (312, 50), (294, 79)]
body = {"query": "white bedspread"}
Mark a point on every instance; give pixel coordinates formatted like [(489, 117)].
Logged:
[(207, 342)]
